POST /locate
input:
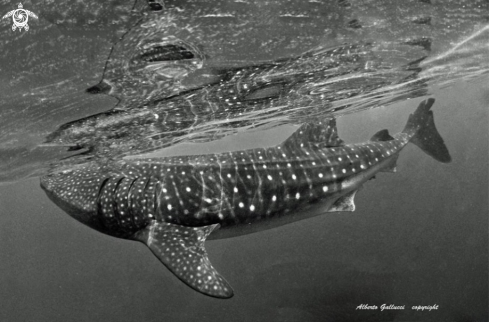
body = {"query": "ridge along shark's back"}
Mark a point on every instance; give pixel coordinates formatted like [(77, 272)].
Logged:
[(173, 204)]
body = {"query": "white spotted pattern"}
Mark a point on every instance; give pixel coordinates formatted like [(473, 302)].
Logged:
[(181, 249)]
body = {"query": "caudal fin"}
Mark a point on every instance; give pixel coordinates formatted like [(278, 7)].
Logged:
[(421, 126)]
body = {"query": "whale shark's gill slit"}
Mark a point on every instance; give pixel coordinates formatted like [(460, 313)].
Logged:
[(98, 202), (114, 198), (102, 186), (137, 203), (157, 201), (146, 184), (129, 202)]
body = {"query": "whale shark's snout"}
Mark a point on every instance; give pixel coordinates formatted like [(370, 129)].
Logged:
[(75, 191), (48, 183)]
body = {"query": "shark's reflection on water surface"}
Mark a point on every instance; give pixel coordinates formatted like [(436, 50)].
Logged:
[(173, 84), (290, 90)]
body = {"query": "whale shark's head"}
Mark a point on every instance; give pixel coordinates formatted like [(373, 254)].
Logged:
[(76, 191)]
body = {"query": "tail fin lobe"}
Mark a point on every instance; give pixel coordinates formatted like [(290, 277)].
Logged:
[(421, 125)]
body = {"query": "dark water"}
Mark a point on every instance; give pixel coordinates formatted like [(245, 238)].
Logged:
[(418, 237)]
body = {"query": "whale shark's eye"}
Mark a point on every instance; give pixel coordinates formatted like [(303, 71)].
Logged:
[(166, 53)]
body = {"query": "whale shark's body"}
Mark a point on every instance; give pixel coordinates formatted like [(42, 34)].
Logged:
[(173, 204)]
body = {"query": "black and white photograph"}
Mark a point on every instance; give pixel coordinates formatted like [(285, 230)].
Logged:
[(244, 160)]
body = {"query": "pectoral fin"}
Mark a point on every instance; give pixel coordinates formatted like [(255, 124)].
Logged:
[(182, 251), (344, 203)]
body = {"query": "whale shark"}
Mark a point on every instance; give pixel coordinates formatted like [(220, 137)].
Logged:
[(174, 204)]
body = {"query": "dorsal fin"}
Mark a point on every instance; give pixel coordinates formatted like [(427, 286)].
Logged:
[(320, 134), (181, 249), (382, 135)]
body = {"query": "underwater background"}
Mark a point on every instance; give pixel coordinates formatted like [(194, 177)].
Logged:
[(417, 237)]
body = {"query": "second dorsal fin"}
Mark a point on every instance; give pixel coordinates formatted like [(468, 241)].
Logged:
[(321, 134), (382, 135)]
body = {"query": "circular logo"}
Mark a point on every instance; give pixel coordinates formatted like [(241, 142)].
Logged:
[(20, 17)]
